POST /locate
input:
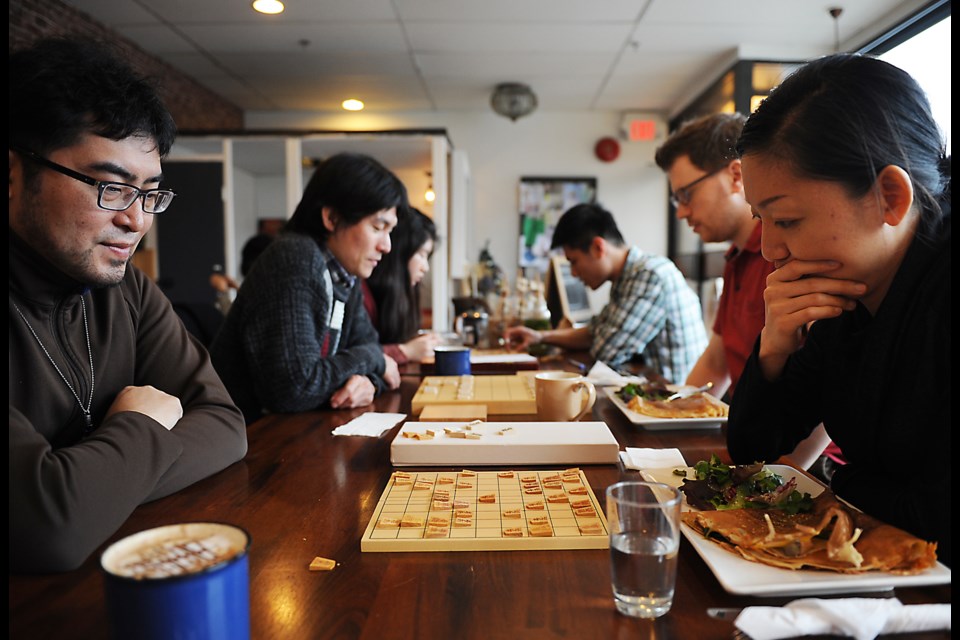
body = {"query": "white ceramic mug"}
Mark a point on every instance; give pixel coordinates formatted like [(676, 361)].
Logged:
[(563, 396)]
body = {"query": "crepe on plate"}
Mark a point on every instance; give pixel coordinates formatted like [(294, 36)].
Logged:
[(832, 537), (699, 405)]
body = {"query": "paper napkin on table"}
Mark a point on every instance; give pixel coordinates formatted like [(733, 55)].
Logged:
[(860, 618), (370, 424), (634, 458), (601, 375)]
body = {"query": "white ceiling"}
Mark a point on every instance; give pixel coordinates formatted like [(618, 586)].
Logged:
[(438, 55)]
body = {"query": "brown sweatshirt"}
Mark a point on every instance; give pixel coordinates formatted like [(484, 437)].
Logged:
[(69, 491)]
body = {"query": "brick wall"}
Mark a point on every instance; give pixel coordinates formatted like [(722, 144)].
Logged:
[(194, 107)]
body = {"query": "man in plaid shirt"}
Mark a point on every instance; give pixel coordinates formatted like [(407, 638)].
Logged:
[(652, 314)]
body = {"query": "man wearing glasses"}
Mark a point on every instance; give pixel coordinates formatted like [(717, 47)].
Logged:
[(701, 164), (112, 403)]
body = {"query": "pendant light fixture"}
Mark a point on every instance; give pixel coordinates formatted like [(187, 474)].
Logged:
[(430, 195), (835, 14)]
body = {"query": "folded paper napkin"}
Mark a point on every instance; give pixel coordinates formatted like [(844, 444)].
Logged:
[(860, 618), (634, 458), (370, 424), (601, 375)]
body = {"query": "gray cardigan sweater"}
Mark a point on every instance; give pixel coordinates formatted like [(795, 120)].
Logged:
[(275, 351)]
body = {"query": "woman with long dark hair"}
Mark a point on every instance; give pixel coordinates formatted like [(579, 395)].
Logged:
[(391, 294)]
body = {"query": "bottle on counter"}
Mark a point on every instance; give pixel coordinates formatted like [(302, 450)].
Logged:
[(523, 290), (537, 316)]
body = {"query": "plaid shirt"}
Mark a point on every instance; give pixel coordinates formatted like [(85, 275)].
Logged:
[(340, 276), (653, 313)]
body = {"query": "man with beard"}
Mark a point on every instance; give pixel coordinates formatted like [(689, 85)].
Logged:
[(112, 403)]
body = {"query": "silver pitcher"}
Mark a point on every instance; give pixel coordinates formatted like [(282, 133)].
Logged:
[(472, 327)]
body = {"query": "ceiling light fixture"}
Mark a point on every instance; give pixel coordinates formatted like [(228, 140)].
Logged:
[(835, 14), (352, 104), (269, 7), (430, 195), (513, 100)]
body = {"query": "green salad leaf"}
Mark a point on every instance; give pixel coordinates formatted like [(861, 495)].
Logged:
[(719, 486), (646, 390)]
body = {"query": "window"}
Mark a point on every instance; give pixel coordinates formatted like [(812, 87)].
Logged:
[(926, 57)]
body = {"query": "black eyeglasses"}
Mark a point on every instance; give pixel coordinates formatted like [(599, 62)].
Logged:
[(682, 195), (112, 196)]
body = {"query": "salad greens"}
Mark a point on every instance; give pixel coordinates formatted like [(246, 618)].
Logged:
[(720, 486), (646, 390)]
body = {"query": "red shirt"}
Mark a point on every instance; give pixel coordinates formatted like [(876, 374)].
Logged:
[(740, 313)]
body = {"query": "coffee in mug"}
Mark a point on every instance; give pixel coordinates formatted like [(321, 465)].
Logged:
[(179, 581), (563, 396)]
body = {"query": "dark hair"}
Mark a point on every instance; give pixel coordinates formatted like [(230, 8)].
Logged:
[(252, 250), (398, 302), (354, 186), (845, 117), (581, 224), (61, 89), (709, 141)]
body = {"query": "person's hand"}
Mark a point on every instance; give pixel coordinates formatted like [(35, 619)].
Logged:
[(797, 294), (150, 401), (222, 283), (421, 347), (519, 338), (357, 391), (391, 372)]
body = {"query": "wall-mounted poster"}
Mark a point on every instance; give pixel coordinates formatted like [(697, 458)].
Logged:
[(542, 202)]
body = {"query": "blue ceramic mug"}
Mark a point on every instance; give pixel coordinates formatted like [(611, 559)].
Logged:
[(452, 360), (179, 581)]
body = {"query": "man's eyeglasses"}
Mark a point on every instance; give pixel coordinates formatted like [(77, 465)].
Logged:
[(112, 196), (682, 195)]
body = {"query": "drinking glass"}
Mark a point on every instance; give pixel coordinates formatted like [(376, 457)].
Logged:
[(644, 522)]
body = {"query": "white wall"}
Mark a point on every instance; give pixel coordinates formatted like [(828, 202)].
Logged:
[(500, 151)]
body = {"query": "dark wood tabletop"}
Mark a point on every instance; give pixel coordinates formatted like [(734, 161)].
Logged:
[(302, 492)]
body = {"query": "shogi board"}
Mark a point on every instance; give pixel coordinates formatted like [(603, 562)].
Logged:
[(504, 443), (483, 523), (503, 394)]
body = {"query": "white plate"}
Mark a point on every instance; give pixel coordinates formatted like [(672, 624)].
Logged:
[(652, 423), (741, 576)]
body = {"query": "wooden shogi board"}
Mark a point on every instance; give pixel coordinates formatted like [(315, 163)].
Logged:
[(576, 522), (503, 394)]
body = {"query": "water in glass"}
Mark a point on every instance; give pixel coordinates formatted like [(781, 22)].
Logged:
[(644, 572)]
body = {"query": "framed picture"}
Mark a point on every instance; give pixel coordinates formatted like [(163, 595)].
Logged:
[(542, 201)]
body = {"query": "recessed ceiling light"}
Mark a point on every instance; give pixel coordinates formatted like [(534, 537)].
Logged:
[(352, 105), (268, 6)]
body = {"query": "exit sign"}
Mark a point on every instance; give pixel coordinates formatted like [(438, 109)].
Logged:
[(640, 126), (642, 130)]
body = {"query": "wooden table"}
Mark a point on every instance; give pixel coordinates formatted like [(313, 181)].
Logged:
[(302, 492)]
